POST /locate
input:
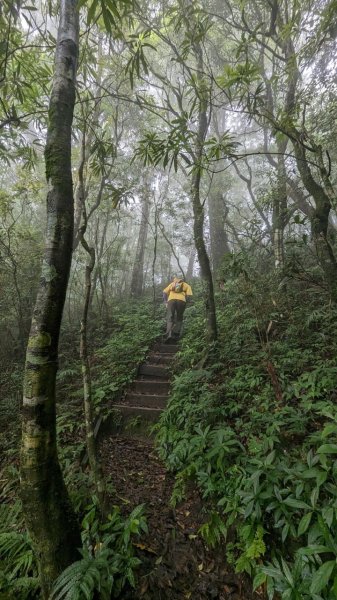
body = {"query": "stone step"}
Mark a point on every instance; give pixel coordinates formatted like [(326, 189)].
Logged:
[(143, 400), (168, 348), (153, 371), (154, 387), (145, 414), (160, 359)]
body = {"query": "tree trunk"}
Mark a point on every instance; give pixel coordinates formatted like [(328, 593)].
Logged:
[(155, 237), (198, 209), (48, 512), (190, 266), (138, 266), (320, 218), (92, 450), (206, 274), (280, 207), (218, 237)]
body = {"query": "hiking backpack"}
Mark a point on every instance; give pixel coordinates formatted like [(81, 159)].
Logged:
[(178, 287)]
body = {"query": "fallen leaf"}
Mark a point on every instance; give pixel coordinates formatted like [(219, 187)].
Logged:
[(125, 500), (210, 567), (144, 547), (200, 567), (144, 587)]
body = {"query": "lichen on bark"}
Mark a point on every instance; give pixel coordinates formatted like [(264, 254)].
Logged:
[(49, 515)]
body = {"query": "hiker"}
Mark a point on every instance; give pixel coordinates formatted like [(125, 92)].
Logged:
[(175, 299)]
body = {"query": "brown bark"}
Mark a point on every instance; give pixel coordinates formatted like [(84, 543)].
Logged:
[(48, 512), (91, 444), (320, 217), (198, 207)]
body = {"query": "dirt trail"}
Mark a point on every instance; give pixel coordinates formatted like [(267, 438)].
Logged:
[(176, 564)]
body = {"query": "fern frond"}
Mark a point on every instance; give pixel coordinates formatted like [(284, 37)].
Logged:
[(81, 579), (24, 586), (11, 516)]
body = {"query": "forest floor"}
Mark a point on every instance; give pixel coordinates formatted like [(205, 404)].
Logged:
[(176, 564)]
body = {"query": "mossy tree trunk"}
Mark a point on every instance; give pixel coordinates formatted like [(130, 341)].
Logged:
[(198, 206), (320, 214), (205, 267), (48, 512)]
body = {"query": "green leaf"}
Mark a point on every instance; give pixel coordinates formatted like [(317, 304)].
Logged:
[(92, 12), (259, 579), (327, 514), (106, 17), (314, 496), (304, 523), (327, 449), (296, 503), (322, 576), (272, 572), (270, 458), (311, 550), (287, 572), (329, 429)]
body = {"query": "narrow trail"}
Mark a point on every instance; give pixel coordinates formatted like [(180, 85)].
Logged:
[(176, 564)]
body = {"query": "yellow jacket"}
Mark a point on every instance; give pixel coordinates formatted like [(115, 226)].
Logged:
[(171, 295)]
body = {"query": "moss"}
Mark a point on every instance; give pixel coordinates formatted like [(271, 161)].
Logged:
[(38, 379), (39, 341)]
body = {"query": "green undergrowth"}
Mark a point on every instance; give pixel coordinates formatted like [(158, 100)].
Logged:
[(117, 361), (113, 366), (256, 430), (108, 560)]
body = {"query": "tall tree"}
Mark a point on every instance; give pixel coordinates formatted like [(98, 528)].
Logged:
[(202, 121), (138, 265), (218, 236), (48, 512)]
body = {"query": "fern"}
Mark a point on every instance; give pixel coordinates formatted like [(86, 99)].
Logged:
[(16, 550), (19, 578), (108, 561), (81, 579), (24, 587), (11, 516)]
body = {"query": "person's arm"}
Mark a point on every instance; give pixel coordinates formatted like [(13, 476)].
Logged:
[(166, 294)]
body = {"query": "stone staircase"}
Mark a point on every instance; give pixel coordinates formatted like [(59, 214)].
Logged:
[(148, 395)]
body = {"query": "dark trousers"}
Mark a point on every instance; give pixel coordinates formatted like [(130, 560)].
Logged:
[(175, 315)]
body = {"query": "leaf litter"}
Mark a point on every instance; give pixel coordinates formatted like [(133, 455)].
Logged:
[(176, 563)]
